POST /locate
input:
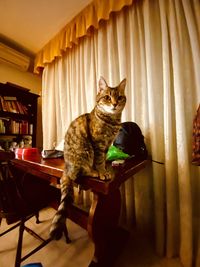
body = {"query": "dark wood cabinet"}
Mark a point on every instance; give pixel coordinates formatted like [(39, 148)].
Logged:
[(18, 116)]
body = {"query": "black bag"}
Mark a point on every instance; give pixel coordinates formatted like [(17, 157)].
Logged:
[(131, 141)]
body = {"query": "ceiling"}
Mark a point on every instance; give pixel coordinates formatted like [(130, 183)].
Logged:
[(29, 25)]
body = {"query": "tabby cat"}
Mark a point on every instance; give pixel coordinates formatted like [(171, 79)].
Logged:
[(86, 143)]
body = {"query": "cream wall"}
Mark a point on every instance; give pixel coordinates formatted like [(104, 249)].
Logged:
[(27, 80)]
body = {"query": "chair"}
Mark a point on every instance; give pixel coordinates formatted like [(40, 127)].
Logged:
[(17, 207)]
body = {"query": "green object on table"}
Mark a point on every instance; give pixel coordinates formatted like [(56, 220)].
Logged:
[(115, 153)]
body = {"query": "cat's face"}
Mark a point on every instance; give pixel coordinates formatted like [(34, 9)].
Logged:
[(111, 99)]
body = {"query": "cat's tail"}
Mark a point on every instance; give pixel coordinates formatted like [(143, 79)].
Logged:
[(58, 225)]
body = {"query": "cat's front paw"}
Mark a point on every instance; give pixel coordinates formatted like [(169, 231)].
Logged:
[(105, 175)]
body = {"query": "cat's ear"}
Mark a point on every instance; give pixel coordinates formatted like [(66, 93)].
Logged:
[(122, 85), (102, 84)]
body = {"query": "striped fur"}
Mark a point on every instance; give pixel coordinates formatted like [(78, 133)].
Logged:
[(86, 143)]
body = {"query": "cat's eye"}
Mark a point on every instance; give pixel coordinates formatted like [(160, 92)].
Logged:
[(120, 97), (107, 97)]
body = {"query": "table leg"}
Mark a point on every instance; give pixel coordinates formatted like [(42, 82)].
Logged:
[(103, 227)]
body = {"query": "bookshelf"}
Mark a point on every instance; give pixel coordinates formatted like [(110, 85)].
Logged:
[(18, 116)]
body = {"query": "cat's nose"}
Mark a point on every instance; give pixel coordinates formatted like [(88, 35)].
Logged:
[(114, 104)]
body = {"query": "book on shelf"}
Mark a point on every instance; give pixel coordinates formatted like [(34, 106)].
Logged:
[(1, 107), (14, 127), (24, 128), (3, 104), (11, 104), (31, 128), (10, 98), (19, 127), (19, 107), (2, 126), (15, 107), (9, 126), (22, 108)]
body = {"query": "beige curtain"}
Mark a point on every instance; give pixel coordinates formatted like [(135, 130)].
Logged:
[(156, 46), (81, 25)]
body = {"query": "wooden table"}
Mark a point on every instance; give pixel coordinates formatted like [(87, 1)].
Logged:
[(101, 221)]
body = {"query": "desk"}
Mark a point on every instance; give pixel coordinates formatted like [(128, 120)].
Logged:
[(101, 220)]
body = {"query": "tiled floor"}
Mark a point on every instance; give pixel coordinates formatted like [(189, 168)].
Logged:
[(137, 252)]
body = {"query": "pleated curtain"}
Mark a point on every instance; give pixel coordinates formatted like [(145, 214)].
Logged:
[(156, 46)]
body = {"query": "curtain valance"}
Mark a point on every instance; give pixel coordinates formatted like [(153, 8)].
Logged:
[(80, 26)]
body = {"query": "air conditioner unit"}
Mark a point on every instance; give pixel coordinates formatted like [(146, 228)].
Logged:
[(13, 57)]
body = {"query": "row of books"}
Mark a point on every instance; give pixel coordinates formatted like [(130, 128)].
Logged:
[(8, 126), (11, 104)]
